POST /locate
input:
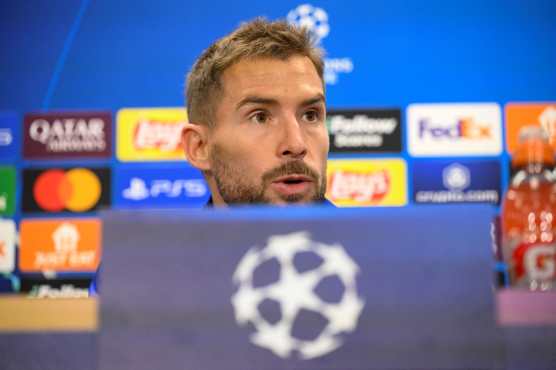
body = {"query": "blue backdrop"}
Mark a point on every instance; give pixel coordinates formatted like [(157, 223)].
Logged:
[(100, 54)]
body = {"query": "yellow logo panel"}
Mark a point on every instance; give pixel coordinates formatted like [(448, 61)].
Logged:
[(367, 182), (146, 134)]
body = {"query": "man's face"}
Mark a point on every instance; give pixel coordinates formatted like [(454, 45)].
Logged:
[(269, 143)]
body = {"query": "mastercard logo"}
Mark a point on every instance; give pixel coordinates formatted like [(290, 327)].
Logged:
[(76, 190)]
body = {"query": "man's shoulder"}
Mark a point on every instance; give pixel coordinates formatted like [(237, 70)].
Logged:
[(327, 203)]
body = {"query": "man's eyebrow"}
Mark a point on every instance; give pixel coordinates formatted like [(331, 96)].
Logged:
[(317, 99), (269, 101), (255, 100)]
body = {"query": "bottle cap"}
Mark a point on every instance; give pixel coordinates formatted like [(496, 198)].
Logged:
[(533, 147), (532, 132)]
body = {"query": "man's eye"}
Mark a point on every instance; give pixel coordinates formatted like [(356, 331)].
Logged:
[(259, 117), (312, 116)]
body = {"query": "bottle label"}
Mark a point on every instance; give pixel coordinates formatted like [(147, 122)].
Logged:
[(535, 261)]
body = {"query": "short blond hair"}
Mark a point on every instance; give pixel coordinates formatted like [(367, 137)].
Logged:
[(254, 39)]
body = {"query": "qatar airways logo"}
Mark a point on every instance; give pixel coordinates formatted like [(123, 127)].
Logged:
[(454, 129), (61, 134), (161, 135), (370, 187), (67, 134)]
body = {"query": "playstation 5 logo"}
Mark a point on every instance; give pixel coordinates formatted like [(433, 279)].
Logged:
[(6, 136), (139, 190), (315, 20)]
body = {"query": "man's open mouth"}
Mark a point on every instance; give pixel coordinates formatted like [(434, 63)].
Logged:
[(293, 179), (292, 184)]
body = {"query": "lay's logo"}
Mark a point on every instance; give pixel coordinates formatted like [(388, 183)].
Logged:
[(367, 182), (454, 129), (368, 188), (150, 134), (158, 135)]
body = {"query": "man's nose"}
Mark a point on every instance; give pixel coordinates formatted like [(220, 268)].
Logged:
[(292, 144)]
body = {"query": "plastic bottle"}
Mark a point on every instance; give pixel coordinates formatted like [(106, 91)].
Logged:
[(528, 212)]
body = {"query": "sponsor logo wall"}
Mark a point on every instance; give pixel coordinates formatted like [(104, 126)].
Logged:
[(57, 170), (69, 165)]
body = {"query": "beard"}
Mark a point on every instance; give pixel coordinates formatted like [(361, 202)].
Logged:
[(236, 188)]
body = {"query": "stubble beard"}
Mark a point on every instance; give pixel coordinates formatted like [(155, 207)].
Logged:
[(235, 188)]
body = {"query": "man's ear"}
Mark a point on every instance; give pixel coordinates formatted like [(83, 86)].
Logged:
[(194, 140)]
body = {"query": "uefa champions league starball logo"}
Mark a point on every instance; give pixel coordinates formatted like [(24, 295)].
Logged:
[(316, 21), (310, 17), (295, 291)]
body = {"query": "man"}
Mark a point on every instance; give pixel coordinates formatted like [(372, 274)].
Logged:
[(257, 112)]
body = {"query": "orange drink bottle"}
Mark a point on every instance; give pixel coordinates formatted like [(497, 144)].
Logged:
[(528, 211)]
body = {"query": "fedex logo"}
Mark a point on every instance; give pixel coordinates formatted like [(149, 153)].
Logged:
[(464, 128), (454, 129)]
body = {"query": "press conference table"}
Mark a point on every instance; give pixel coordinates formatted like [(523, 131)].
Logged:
[(20, 314), (63, 333)]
